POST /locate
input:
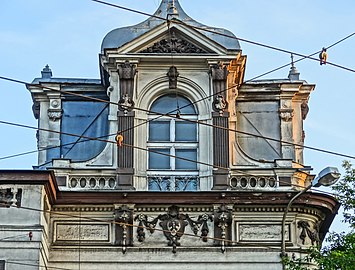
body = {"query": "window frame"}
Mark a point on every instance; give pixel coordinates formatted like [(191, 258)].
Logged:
[(173, 145)]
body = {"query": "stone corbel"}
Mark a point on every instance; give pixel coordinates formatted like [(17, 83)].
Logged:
[(219, 75), (223, 222), (36, 109), (306, 231), (55, 111), (286, 114), (126, 72), (124, 230), (173, 74), (304, 110)]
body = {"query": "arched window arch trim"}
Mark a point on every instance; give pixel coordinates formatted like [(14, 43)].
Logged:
[(185, 87)]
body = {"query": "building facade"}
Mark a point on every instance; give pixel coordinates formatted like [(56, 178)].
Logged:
[(169, 160)]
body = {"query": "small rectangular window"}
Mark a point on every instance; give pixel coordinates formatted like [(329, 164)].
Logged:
[(159, 131), (2, 265), (185, 132), (159, 184), (190, 154), (158, 161), (186, 183)]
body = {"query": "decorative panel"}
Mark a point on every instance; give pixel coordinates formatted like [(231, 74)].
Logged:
[(83, 232), (247, 232)]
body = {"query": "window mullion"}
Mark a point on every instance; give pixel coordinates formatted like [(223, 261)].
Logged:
[(172, 158)]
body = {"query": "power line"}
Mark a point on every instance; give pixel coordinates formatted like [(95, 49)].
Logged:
[(173, 116), (152, 151), (108, 141), (128, 145), (125, 224), (224, 35), (37, 265), (188, 120), (149, 120)]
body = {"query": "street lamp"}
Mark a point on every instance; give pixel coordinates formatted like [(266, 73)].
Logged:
[(326, 177)]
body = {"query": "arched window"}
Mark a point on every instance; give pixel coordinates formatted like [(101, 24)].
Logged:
[(173, 146)]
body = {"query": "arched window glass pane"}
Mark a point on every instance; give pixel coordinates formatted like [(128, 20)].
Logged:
[(169, 103), (185, 131), (183, 156), (159, 131), (158, 161)]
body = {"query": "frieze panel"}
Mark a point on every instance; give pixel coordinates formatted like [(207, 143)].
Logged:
[(260, 232), (99, 233)]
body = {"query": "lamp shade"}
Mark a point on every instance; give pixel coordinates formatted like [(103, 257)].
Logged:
[(326, 177)]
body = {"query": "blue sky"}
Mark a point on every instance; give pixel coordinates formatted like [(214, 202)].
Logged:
[(67, 35)]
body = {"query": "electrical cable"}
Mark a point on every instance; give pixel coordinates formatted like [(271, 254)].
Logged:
[(128, 145), (266, 73), (201, 123), (147, 150), (37, 265), (133, 225), (14, 237), (197, 121), (222, 34), (149, 120), (108, 141)]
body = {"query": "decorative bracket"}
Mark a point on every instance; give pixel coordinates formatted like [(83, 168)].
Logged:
[(220, 104), (173, 74), (306, 231), (223, 221), (286, 114), (124, 217)]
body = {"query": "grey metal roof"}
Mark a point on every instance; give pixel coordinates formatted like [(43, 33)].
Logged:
[(66, 81), (120, 36), (274, 81)]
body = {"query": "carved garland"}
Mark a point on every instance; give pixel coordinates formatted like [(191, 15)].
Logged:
[(173, 224)]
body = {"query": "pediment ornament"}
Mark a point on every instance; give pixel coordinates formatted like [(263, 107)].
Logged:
[(174, 45)]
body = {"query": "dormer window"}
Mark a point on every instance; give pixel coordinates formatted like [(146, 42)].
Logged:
[(173, 146)]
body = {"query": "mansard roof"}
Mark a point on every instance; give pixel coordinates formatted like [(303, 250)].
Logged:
[(120, 36)]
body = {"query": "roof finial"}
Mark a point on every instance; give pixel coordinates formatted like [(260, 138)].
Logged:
[(294, 74), (172, 10), (46, 72)]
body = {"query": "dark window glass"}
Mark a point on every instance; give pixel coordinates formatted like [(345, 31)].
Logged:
[(188, 184), (181, 164), (159, 184), (89, 119), (185, 131), (170, 104), (158, 161), (159, 131)]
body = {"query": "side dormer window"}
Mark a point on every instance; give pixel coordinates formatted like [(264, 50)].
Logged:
[(173, 146)]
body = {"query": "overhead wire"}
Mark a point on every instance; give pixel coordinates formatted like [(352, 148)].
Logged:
[(152, 151), (222, 34), (216, 126), (149, 120), (174, 116), (38, 265), (91, 219)]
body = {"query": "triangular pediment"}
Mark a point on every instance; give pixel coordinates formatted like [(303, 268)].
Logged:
[(177, 39)]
